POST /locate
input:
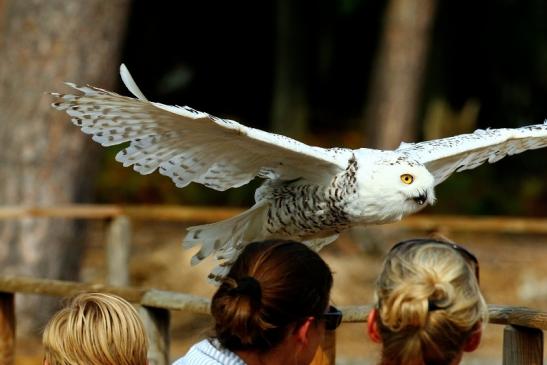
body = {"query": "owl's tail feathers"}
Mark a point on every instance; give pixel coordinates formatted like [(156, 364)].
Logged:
[(227, 238), (219, 272)]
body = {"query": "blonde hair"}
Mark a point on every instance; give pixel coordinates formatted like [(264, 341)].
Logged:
[(428, 302), (95, 329)]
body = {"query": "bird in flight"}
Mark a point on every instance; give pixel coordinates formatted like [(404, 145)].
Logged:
[(309, 193)]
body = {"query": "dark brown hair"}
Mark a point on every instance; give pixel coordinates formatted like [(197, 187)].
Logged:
[(271, 286)]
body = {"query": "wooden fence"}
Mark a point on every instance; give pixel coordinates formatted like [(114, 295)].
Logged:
[(523, 335), (208, 215), (522, 343)]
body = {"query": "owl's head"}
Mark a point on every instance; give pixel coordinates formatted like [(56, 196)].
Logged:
[(394, 186)]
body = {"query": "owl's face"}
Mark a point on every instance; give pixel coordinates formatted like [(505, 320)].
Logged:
[(391, 189)]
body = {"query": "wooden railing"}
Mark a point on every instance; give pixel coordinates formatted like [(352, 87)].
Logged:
[(523, 336), (522, 343), (208, 215)]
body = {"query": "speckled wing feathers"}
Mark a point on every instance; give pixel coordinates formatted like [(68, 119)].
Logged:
[(443, 157), (188, 145)]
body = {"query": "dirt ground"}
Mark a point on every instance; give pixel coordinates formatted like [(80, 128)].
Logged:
[(513, 272)]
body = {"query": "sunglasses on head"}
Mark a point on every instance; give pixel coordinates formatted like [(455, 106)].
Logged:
[(332, 318), (469, 257)]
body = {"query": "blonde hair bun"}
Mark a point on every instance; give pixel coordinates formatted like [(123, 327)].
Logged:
[(428, 300)]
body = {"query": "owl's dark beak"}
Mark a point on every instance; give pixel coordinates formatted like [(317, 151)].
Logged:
[(420, 199)]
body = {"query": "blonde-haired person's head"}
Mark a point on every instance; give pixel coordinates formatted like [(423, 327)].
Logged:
[(95, 329), (429, 308)]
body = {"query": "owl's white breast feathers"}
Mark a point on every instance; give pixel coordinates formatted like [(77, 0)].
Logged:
[(188, 145)]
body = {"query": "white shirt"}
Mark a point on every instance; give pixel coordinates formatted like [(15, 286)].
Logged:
[(209, 352)]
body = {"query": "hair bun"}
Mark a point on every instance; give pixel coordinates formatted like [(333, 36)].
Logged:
[(441, 297), (248, 286)]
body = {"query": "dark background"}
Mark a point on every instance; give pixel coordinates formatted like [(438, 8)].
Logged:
[(220, 57)]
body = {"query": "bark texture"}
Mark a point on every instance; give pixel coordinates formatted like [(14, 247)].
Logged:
[(394, 91), (290, 109), (44, 159)]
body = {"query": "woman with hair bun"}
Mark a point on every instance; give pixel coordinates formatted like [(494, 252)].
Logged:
[(428, 306), (272, 308)]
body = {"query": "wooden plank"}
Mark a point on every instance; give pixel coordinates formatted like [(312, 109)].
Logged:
[(156, 322), (176, 301), (355, 313), (475, 224), (195, 304), (212, 214), (59, 288), (142, 212), (87, 211), (522, 346), (118, 246), (149, 297), (518, 316), (181, 214), (7, 328)]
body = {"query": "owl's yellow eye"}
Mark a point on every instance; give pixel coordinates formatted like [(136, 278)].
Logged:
[(407, 178)]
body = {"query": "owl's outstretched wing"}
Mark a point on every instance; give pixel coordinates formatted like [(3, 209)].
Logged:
[(188, 145), (442, 157)]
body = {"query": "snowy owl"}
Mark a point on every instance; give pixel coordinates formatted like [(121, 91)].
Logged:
[(309, 193)]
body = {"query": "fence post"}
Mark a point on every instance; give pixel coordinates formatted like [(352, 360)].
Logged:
[(156, 322), (117, 251), (522, 346), (326, 353), (7, 328)]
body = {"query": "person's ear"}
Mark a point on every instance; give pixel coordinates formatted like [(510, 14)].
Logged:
[(474, 339), (372, 325), (302, 332)]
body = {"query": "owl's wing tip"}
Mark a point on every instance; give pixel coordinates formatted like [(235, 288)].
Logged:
[(130, 83)]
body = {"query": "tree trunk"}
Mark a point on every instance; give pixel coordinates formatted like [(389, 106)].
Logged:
[(290, 109), (45, 160), (394, 91)]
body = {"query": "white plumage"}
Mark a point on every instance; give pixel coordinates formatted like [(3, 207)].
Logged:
[(309, 193)]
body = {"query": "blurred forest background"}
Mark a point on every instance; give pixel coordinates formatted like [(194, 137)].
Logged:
[(347, 73)]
